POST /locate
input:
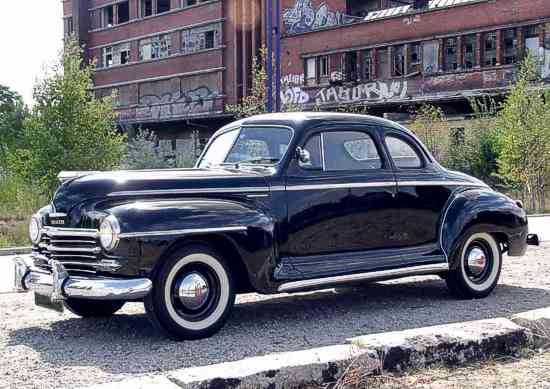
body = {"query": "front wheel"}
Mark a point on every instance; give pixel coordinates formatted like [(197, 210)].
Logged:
[(477, 271), (193, 294), (93, 308)]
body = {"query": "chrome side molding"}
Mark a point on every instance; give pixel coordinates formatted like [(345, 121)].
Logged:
[(374, 275)]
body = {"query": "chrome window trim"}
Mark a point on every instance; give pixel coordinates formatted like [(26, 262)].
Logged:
[(190, 231), (381, 274), (189, 191)]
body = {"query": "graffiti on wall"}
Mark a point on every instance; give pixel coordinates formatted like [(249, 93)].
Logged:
[(171, 105), (377, 91), (303, 17)]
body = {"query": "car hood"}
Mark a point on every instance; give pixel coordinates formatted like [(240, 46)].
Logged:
[(156, 183)]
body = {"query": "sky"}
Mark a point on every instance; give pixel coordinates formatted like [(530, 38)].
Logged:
[(31, 36)]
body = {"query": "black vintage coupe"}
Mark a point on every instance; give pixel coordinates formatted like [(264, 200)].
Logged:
[(276, 203)]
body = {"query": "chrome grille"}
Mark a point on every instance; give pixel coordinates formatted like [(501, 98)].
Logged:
[(76, 249)]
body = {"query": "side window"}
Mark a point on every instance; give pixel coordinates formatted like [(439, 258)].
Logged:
[(313, 147), (350, 150), (403, 154)]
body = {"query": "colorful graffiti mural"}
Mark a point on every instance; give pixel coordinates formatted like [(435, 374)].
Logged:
[(303, 17)]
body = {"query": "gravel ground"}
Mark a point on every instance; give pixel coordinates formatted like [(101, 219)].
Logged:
[(43, 349), (526, 373)]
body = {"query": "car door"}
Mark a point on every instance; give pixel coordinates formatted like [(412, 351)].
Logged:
[(341, 204), (421, 196)]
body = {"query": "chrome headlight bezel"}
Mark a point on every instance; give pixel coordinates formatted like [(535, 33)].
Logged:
[(109, 233), (35, 229)]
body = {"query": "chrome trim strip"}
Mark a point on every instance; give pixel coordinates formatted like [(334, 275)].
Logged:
[(191, 231), (382, 274), (342, 186), (439, 183), (70, 232), (57, 214), (94, 250), (188, 191)]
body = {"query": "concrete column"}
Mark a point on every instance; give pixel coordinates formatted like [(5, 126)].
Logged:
[(374, 54), (460, 52), (521, 42), (441, 55), (479, 49), (500, 48), (406, 56)]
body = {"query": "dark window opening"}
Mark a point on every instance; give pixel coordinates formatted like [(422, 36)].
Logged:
[(123, 12), (382, 65), (188, 3), (415, 57), (368, 65), (209, 40), (108, 16), (450, 60), (469, 44), (69, 26), (490, 49), (398, 61), (350, 67), (324, 69), (510, 47), (531, 32), (163, 6), (361, 8), (146, 8)]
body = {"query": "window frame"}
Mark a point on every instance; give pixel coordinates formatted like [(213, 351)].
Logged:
[(409, 141), (371, 133)]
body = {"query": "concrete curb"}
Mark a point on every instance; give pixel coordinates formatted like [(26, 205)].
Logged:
[(538, 323), (452, 344), (15, 251)]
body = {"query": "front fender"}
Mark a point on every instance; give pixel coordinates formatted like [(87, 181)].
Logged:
[(156, 227), (483, 210)]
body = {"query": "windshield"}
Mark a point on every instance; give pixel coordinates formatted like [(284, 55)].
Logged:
[(259, 145)]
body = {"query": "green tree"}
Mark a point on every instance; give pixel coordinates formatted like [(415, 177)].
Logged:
[(12, 115), (68, 128), (524, 135)]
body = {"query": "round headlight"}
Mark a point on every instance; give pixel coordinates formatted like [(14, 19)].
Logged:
[(34, 229), (109, 232)]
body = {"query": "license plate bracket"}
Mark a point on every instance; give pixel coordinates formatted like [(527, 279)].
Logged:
[(46, 302)]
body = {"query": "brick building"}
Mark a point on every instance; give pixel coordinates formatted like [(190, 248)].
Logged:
[(175, 64)]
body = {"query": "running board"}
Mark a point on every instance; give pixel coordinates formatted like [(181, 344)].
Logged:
[(374, 275)]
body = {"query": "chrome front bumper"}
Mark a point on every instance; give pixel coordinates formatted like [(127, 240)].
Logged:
[(58, 285)]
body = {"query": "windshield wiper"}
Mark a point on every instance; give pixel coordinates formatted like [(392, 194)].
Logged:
[(257, 160)]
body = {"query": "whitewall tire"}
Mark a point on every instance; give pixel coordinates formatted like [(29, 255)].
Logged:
[(477, 266), (193, 294)]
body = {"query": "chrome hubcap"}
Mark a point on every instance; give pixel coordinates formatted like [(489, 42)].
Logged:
[(477, 261), (193, 291)]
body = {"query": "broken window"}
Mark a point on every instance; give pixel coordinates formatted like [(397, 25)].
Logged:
[(490, 49), (201, 38), (324, 68), (68, 26), (123, 12), (368, 65), (430, 56), (382, 65), (360, 8), (450, 54), (163, 6), (398, 60), (469, 43), (116, 55), (108, 16), (155, 47), (188, 3), (532, 41), (146, 7), (350, 67), (311, 71), (415, 57), (209, 40), (510, 46)]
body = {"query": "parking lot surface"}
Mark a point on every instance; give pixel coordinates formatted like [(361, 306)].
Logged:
[(40, 348)]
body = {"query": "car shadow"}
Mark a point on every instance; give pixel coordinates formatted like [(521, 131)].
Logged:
[(128, 344)]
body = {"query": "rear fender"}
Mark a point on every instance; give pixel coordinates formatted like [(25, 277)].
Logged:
[(482, 210)]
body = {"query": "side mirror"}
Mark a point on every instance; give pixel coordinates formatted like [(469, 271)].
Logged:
[(304, 157)]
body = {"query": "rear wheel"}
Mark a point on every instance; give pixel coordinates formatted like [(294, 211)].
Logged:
[(479, 262), (193, 294), (93, 308)]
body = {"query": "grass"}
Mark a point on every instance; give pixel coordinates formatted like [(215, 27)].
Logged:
[(18, 201)]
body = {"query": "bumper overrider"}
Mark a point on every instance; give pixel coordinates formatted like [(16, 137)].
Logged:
[(58, 285)]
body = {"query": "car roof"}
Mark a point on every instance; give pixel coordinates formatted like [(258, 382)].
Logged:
[(303, 120)]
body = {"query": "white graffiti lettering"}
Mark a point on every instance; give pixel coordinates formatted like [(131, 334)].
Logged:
[(303, 17), (292, 79)]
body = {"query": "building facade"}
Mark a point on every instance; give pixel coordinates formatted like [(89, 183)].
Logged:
[(176, 64), (394, 55)]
